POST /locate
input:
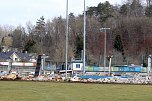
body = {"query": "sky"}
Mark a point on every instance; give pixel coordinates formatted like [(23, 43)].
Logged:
[(19, 12)]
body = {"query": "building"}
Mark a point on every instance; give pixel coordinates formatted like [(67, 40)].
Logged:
[(16, 57), (77, 65), (17, 61)]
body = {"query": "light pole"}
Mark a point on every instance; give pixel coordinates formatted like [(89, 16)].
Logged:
[(84, 39), (105, 43), (66, 43)]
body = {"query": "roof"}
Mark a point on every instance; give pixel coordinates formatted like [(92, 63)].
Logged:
[(6, 55), (24, 56), (76, 61)]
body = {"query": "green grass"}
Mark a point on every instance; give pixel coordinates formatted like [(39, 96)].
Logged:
[(48, 91)]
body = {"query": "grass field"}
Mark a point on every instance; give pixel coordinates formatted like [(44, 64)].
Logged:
[(48, 91)]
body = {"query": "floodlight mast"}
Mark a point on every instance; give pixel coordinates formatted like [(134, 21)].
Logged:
[(66, 43), (84, 40), (105, 43)]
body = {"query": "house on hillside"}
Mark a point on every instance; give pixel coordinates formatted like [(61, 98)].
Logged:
[(16, 61), (16, 57)]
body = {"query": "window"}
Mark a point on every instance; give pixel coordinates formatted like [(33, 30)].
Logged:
[(77, 65), (16, 59)]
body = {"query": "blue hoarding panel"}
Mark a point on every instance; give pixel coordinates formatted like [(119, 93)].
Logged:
[(126, 69), (137, 69), (131, 69), (121, 69)]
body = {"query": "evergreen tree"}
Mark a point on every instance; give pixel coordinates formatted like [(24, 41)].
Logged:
[(29, 46), (17, 39), (123, 9), (40, 33), (79, 45), (136, 8), (118, 44), (40, 25), (91, 11), (103, 11), (148, 11)]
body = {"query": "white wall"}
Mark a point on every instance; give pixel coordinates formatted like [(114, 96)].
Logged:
[(149, 63), (76, 68)]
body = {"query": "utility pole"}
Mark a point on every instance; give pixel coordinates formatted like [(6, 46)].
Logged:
[(105, 43)]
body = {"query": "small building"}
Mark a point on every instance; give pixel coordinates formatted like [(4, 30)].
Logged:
[(77, 65)]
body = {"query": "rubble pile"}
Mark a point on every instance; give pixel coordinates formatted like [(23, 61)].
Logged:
[(43, 78), (10, 77), (118, 80), (61, 78)]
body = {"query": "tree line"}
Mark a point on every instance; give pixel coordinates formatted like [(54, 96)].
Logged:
[(129, 39)]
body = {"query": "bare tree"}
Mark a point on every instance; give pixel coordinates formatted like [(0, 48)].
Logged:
[(149, 2)]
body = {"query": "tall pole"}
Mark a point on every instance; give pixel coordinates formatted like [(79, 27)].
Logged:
[(66, 43), (105, 43), (84, 39)]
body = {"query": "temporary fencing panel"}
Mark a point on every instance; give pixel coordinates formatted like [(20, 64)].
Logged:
[(144, 69), (106, 68), (90, 68), (101, 68), (95, 69), (115, 69)]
